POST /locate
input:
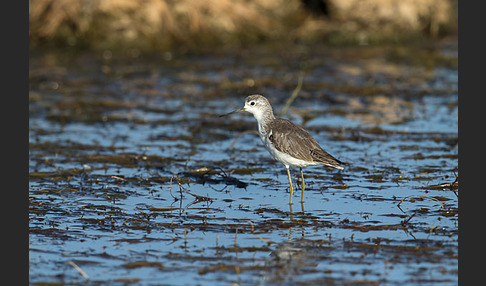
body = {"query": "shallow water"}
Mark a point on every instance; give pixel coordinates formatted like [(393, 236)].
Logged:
[(135, 178)]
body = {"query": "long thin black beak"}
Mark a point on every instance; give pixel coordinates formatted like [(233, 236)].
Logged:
[(238, 110)]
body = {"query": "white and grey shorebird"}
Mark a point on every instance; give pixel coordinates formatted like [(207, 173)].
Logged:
[(287, 142)]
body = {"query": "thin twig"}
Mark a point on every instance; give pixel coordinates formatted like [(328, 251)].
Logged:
[(185, 238), (294, 94), (264, 239), (119, 178), (170, 187), (409, 218), (79, 269), (420, 196)]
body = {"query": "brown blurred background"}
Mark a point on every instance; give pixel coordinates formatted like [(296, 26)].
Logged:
[(190, 25)]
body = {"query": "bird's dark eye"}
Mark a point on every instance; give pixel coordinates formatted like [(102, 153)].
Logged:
[(252, 103)]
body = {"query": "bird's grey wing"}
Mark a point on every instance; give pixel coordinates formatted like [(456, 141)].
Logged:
[(298, 143), (292, 139)]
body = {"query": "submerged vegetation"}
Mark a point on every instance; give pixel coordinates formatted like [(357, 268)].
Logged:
[(134, 177)]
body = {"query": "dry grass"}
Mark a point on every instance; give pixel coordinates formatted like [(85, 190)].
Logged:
[(157, 24)]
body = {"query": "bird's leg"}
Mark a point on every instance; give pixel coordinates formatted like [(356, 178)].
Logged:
[(303, 185), (290, 183)]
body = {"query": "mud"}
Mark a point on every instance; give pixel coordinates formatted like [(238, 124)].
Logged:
[(135, 179)]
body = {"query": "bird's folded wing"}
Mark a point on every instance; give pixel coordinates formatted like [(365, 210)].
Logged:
[(298, 143)]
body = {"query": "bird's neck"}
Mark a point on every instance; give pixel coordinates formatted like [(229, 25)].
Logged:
[(263, 118)]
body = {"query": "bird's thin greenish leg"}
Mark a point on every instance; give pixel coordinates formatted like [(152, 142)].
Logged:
[(290, 183), (303, 185)]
